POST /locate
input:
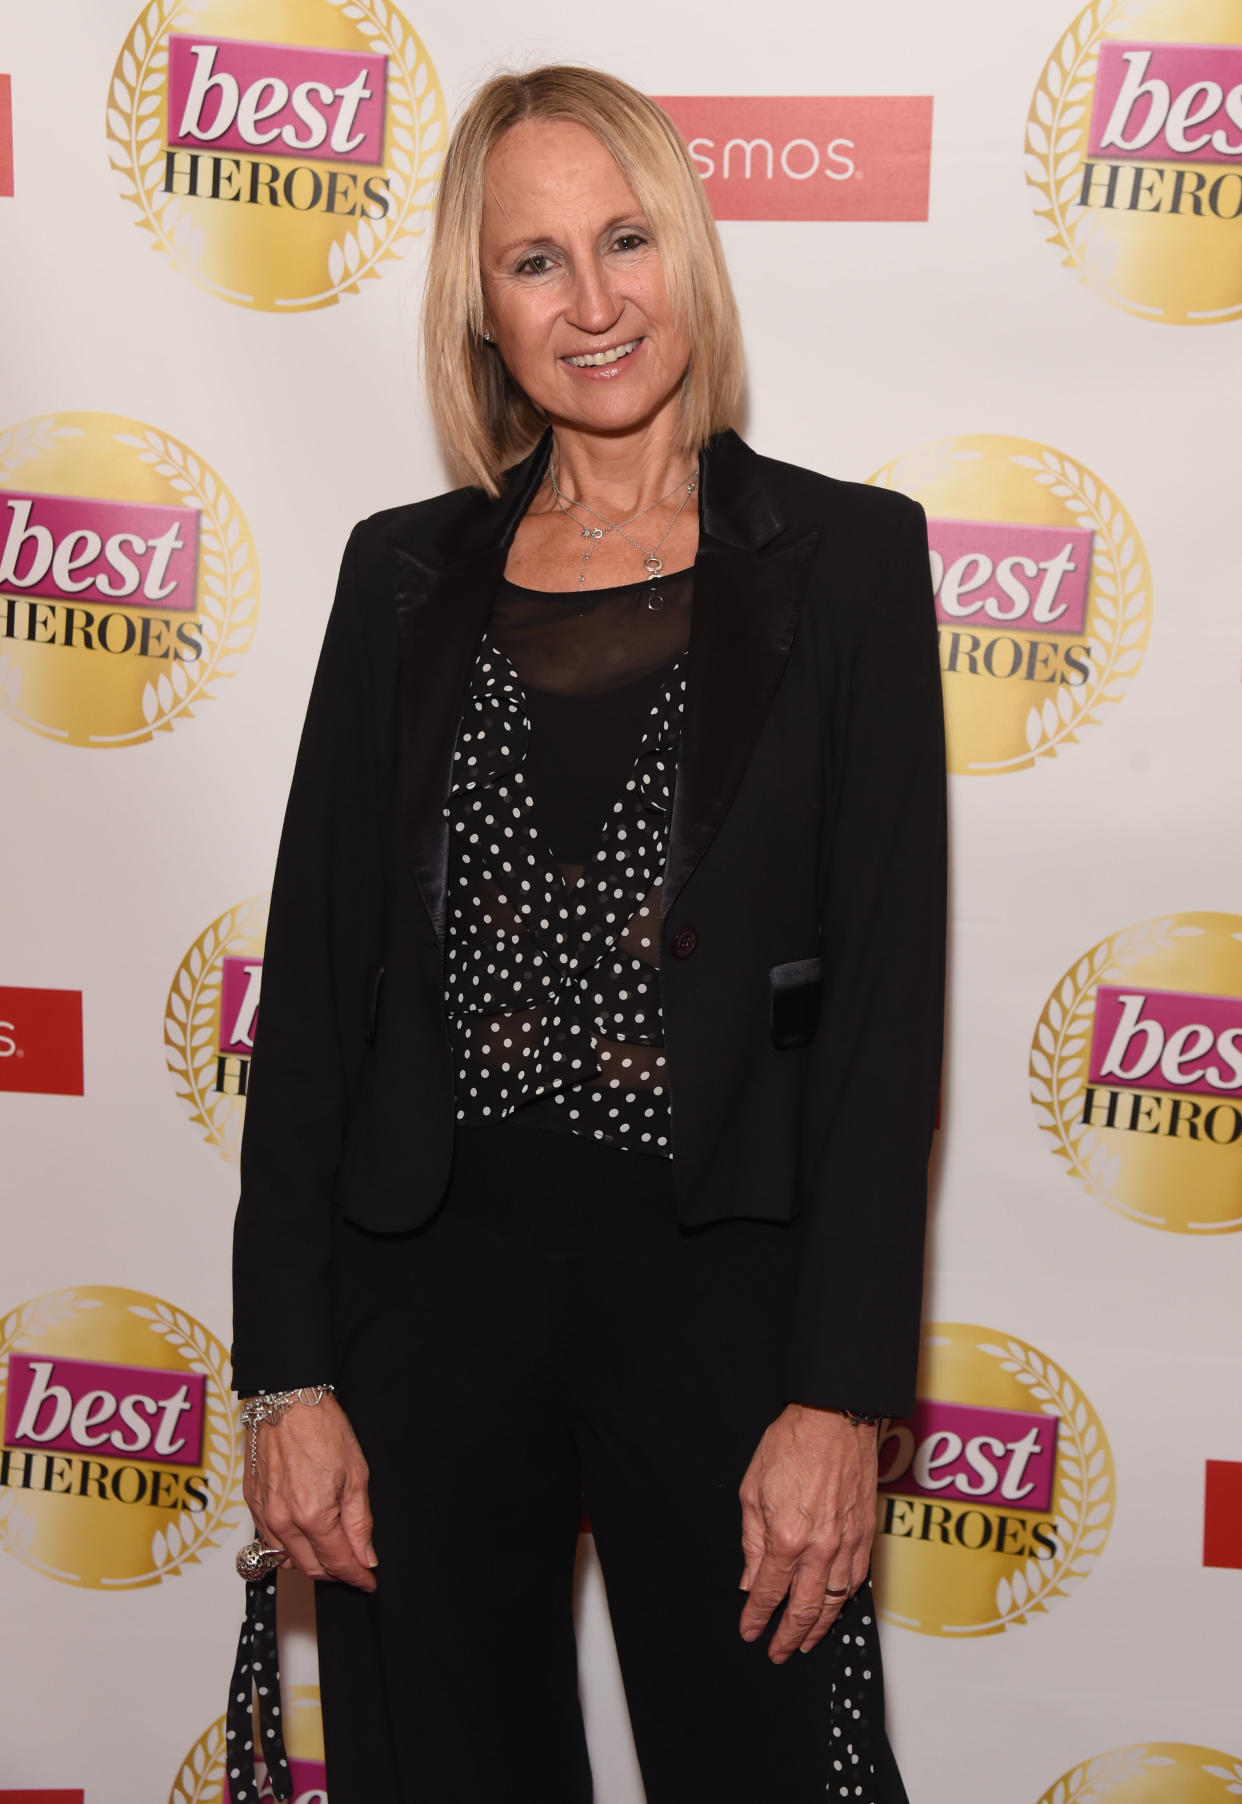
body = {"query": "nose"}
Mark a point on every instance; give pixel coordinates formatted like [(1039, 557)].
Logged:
[(594, 307)]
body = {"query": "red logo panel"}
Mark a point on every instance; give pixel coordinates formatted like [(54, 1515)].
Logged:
[(1222, 1514), (786, 157), (42, 1797), (41, 1046)]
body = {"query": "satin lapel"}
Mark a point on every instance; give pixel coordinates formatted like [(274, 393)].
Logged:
[(443, 597), (747, 591), (442, 616)]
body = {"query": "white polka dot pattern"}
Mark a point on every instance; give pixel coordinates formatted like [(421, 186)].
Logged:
[(254, 1704), (856, 1706), (552, 989)]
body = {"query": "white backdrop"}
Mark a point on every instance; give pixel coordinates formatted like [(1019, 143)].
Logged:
[(865, 341)]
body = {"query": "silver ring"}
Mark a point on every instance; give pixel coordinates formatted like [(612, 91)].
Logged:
[(255, 1560)]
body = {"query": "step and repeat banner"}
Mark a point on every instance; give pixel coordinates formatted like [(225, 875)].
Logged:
[(992, 261)]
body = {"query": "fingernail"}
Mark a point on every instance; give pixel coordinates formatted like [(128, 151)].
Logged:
[(750, 1634), (372, 1558)]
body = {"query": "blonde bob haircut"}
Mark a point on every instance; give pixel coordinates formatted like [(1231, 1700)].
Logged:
[(484, 419)]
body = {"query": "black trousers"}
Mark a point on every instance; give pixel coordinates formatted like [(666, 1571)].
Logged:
[(551, 1339)]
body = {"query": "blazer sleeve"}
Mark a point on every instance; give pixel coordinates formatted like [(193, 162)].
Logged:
[(875, 1078), (309, 1040)]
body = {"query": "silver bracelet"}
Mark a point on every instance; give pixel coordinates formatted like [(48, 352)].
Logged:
[(270, 1406)]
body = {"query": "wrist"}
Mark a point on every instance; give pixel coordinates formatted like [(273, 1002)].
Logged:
[(855, 1418)]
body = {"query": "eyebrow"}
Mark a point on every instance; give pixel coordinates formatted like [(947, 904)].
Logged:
[(507, 250)]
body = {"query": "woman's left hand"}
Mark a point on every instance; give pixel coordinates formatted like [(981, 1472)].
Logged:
[(808, 1517)]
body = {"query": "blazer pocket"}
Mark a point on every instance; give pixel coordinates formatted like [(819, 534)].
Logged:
[(796, 989)]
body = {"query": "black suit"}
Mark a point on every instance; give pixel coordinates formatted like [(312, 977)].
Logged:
[(551, 1334), (806, 861)]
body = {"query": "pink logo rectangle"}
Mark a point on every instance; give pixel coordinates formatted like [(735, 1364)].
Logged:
[(998, 573), (1168, 103), (276, 100), (1167, 1040), (81, 1406), (132, 554), (309, 1777), (240, 983), (785, 157), (998, 1458)]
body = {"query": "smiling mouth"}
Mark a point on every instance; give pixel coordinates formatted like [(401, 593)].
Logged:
[(594, 360)]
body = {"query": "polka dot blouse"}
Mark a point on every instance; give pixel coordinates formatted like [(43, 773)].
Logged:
[(552, 969)]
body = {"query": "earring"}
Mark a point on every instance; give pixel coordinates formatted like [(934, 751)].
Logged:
[(487, 338)]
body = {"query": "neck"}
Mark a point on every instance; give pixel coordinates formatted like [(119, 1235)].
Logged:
[(619, 474)]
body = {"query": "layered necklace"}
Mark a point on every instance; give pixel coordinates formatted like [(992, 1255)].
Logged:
[(652, 562)]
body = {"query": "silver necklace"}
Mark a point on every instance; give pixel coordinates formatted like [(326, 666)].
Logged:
[(652, 563)]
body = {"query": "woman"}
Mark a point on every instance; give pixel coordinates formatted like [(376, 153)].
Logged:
[(590, 1110)]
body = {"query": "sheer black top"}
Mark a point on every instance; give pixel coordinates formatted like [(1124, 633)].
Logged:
[(562, 788)]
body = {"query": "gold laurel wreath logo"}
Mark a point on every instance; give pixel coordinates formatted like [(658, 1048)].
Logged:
[(1061, 1051), (1107, 1773), (1056, 131), (18, 1520), (192, 1014), (173, 1547), (177, 1545), (1120, 615), (228, 590), (202, 1776), (1095, 1778), (416, 134), (1085, 1491), (201, 1779), (227, 601), (18, 444), (1119, 618)]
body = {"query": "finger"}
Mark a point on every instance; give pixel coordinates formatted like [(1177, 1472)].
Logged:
[(830, 1610), (769, 1586), (846, 1573), (331, 1550), (827, 1616), (301, 1554), (805, 1606), (262, 1532), (357, 1524), (752, 1557), (752, 1538)]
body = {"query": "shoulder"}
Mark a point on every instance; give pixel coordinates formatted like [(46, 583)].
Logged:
[(750, 498), (420, 528), (809, 496)]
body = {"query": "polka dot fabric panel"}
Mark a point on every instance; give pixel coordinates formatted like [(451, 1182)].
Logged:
[(552, 974)]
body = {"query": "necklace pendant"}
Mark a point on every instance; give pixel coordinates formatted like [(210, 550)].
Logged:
[(655, 601), (653, 566)]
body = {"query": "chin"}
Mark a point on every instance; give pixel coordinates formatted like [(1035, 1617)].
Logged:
[(609, 412)]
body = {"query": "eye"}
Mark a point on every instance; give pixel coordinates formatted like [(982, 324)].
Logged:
[(629, 241), (535, 265)]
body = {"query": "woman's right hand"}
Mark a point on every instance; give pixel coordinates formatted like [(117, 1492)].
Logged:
[(308, 1494)]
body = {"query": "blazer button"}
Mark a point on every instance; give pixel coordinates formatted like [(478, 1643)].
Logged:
[(684, 941)]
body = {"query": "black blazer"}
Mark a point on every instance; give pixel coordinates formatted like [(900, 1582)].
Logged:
[(802, 920)]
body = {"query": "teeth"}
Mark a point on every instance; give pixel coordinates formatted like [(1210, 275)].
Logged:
[(594, 359)]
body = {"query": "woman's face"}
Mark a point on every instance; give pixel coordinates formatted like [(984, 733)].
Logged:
[(570, 271)]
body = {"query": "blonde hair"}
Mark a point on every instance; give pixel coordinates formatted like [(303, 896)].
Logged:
[(485, 420)]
